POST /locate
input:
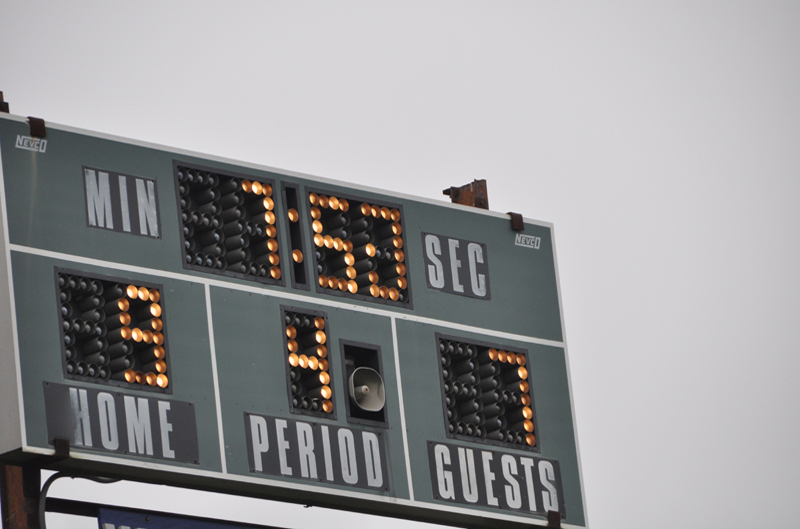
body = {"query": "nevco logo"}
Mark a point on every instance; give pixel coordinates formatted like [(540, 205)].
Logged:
[(528, 241), (31, 144)]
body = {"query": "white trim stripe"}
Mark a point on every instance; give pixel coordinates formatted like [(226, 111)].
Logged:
[(402, 410), (213, 348), (281, 294), (13, 304), (569, 382)]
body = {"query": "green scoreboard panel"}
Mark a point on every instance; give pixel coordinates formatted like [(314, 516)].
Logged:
[(188, 320)]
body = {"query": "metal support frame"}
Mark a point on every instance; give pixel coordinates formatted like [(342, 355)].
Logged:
[(24, 501), (19, 496), (92, 510)]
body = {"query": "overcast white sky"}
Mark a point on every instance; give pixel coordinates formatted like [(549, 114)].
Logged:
[(661, 138)]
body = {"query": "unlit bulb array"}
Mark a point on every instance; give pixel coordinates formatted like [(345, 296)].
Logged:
[(307, 356), (112, 331), (229, 224), (486, 392)]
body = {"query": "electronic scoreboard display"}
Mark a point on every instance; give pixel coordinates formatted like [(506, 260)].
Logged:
[(184, 319)]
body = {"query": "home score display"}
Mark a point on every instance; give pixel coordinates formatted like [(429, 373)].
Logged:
[(187, 320)]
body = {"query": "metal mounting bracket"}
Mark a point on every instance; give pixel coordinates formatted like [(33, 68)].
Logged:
[(516, 221), (554, 519), (37, 127)]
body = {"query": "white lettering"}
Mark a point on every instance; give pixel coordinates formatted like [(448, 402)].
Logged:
[(166, 427), (488, 477), (475, 253), (347, 455), (513, 496), (326, 452), (305, 445), (372, 457), (109, 435), (455, 264), (469, 478), (98, 199), (283, 446), (433, 249), (527, 463), (445, 477), (140, 435), (80, 416), (547, 475), (260, 440), (123, 203), (148, 212)]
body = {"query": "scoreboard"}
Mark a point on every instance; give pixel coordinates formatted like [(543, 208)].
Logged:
[(184, 319)]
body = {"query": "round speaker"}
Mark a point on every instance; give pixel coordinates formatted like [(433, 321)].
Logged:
[(366, 389)]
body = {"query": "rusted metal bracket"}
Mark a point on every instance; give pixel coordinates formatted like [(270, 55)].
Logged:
[(473, 194), (3, 104), (516, 221), (20, 487), (554, 519), (38, 130), (62, 449)]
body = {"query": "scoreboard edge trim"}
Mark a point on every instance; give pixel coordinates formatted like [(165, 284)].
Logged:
[(5, 243), (267, 168), (569, 379)]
